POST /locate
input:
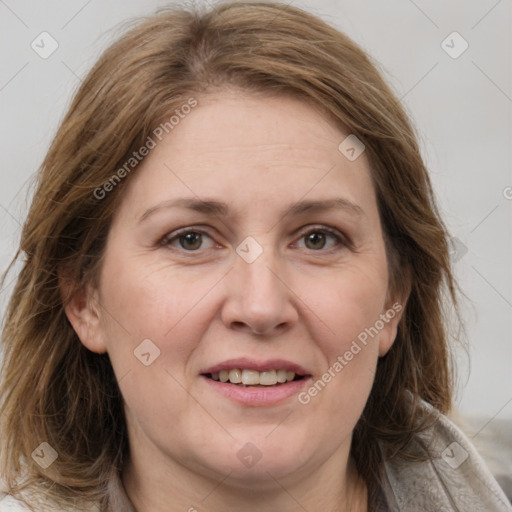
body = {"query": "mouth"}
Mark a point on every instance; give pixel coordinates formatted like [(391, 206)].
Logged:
[(252, 378), (256, 383)]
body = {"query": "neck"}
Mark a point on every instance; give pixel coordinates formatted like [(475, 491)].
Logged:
[(178, 489)]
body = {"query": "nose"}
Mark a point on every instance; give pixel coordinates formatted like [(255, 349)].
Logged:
[(260, 300)]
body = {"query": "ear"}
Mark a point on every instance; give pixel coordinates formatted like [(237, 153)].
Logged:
[(391, 316), (84, 313)]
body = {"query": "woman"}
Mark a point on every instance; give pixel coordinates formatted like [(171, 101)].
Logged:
[(232, 287)]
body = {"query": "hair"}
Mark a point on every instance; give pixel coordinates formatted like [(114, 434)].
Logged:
[(55, 390)]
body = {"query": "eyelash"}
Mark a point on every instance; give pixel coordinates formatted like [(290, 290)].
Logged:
[(339, 238)]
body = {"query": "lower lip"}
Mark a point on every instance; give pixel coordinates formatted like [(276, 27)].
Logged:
[(257, 396)]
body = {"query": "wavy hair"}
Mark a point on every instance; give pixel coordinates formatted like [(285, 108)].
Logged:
[(52, 388)]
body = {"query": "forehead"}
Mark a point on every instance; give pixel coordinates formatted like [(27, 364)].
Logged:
[(247, 149), (233, 123)]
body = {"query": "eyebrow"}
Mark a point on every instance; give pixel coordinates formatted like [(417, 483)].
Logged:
[(221, 209)]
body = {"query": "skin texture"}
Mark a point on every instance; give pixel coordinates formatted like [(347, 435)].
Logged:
[(299, 300)]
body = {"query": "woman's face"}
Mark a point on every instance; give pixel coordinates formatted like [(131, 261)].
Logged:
[(246, 242)]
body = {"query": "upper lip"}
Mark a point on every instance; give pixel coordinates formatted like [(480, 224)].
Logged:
[(244, 363)]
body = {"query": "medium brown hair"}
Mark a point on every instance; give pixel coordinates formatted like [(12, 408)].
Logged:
[(52, 388)]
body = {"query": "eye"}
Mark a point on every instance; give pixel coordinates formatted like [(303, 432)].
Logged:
[(188, 240), (318, 238), (192, 240)]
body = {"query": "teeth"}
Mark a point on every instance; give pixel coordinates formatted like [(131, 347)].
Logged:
[(268, 378), (253, 377), (235, 376), (281, 376), (250, 377)]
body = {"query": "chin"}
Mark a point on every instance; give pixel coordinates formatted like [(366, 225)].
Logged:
[(257, 464)]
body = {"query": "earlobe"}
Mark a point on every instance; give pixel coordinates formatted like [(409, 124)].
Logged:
[(395, 303), (391, 318), (83, 312)]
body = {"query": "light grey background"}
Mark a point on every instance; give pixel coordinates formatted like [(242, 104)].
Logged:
[(462, 108)]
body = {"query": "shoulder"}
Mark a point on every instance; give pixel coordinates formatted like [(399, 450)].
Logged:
[(10, 504), (453, 477)]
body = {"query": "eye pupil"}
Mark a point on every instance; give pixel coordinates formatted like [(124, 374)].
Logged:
[(317, 240), (194, 239)]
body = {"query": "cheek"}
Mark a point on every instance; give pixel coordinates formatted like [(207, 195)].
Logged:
[(359, 299), (146, 300), (152, 302), (346, 303)]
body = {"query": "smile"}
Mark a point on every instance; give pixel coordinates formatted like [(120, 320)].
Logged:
[(248, 377), (256, 383)]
